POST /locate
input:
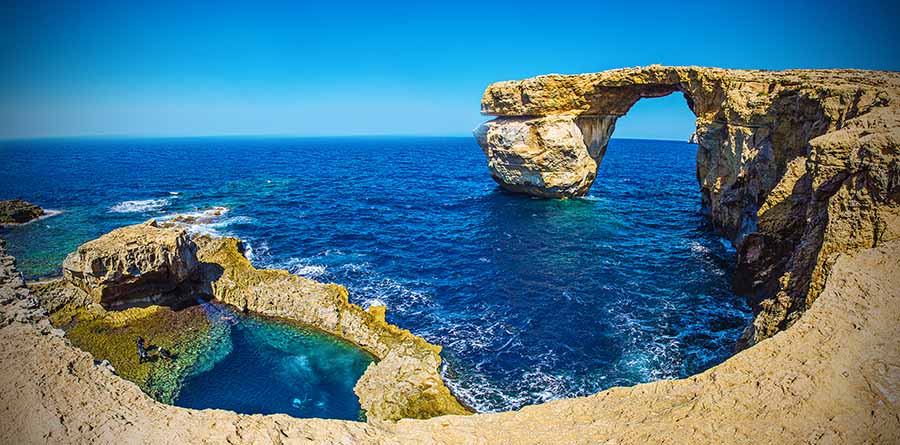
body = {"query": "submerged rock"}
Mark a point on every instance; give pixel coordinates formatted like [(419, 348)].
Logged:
[(16, 211), (140, 263)]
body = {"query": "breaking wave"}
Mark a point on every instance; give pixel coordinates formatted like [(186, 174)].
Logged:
[(140, 206)]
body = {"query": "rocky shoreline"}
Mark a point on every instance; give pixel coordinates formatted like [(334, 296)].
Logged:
[(830, 378), (16, 211)]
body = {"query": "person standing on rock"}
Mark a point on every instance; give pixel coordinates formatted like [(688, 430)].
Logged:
[(142, 353)]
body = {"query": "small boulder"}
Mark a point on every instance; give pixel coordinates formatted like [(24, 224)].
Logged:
[(16, 211), (139, 263)]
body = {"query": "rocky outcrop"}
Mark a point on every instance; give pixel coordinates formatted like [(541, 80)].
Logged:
[(17, 304), (830, 378), (144, 262), (793, 166), (16, 211), (551, 156), (404, 383), (141, 263), (188, 335)]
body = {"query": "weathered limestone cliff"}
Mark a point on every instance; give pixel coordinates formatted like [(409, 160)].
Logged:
[(794, 166), (830, 378)]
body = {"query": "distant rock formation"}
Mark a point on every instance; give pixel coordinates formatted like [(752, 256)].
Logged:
[(804, 163), (16, 211)]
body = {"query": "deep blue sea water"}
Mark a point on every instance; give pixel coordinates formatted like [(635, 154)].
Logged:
[(531, 299)]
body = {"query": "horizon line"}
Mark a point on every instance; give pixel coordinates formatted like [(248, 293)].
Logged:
[(266, 136)]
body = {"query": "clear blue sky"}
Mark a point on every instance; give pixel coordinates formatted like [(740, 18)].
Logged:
[(345, 68)]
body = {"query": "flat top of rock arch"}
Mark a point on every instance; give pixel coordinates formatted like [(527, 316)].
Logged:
[(578, 93)]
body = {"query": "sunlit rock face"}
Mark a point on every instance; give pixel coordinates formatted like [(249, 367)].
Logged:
[(140, 263), (803, 163), (551, 157)]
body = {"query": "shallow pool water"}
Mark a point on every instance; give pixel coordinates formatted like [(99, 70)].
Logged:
[(267, 366)]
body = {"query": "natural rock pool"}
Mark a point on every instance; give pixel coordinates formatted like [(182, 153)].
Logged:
[(531, 299), (266, 366), (218, 357)]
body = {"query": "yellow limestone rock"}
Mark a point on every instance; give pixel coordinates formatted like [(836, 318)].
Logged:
[(146, 259), (404, 382)]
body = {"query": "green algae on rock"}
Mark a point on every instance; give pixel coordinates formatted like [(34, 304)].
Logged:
[(111, 335), (830, 378)]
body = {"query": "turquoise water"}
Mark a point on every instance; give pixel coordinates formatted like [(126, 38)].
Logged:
[(531, 299), (266, 366)]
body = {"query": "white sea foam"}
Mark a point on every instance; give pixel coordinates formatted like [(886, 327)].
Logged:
[(47, 214), (699, 248), (211, 221), (140, 206), (369, 302), (254, 253), (311, 271)]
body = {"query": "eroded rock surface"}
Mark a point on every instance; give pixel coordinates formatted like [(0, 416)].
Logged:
[(137, 263), (803, 164), (830, 378)]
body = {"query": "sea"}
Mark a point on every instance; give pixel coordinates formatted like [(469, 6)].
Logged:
[(531, 299)]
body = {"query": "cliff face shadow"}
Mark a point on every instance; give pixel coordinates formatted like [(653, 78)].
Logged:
[(207, 274), (187, 294)]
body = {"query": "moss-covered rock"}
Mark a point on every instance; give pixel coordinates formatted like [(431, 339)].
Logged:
[(112, 335)]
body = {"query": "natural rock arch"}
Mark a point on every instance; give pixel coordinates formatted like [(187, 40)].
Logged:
[(794, 166)]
